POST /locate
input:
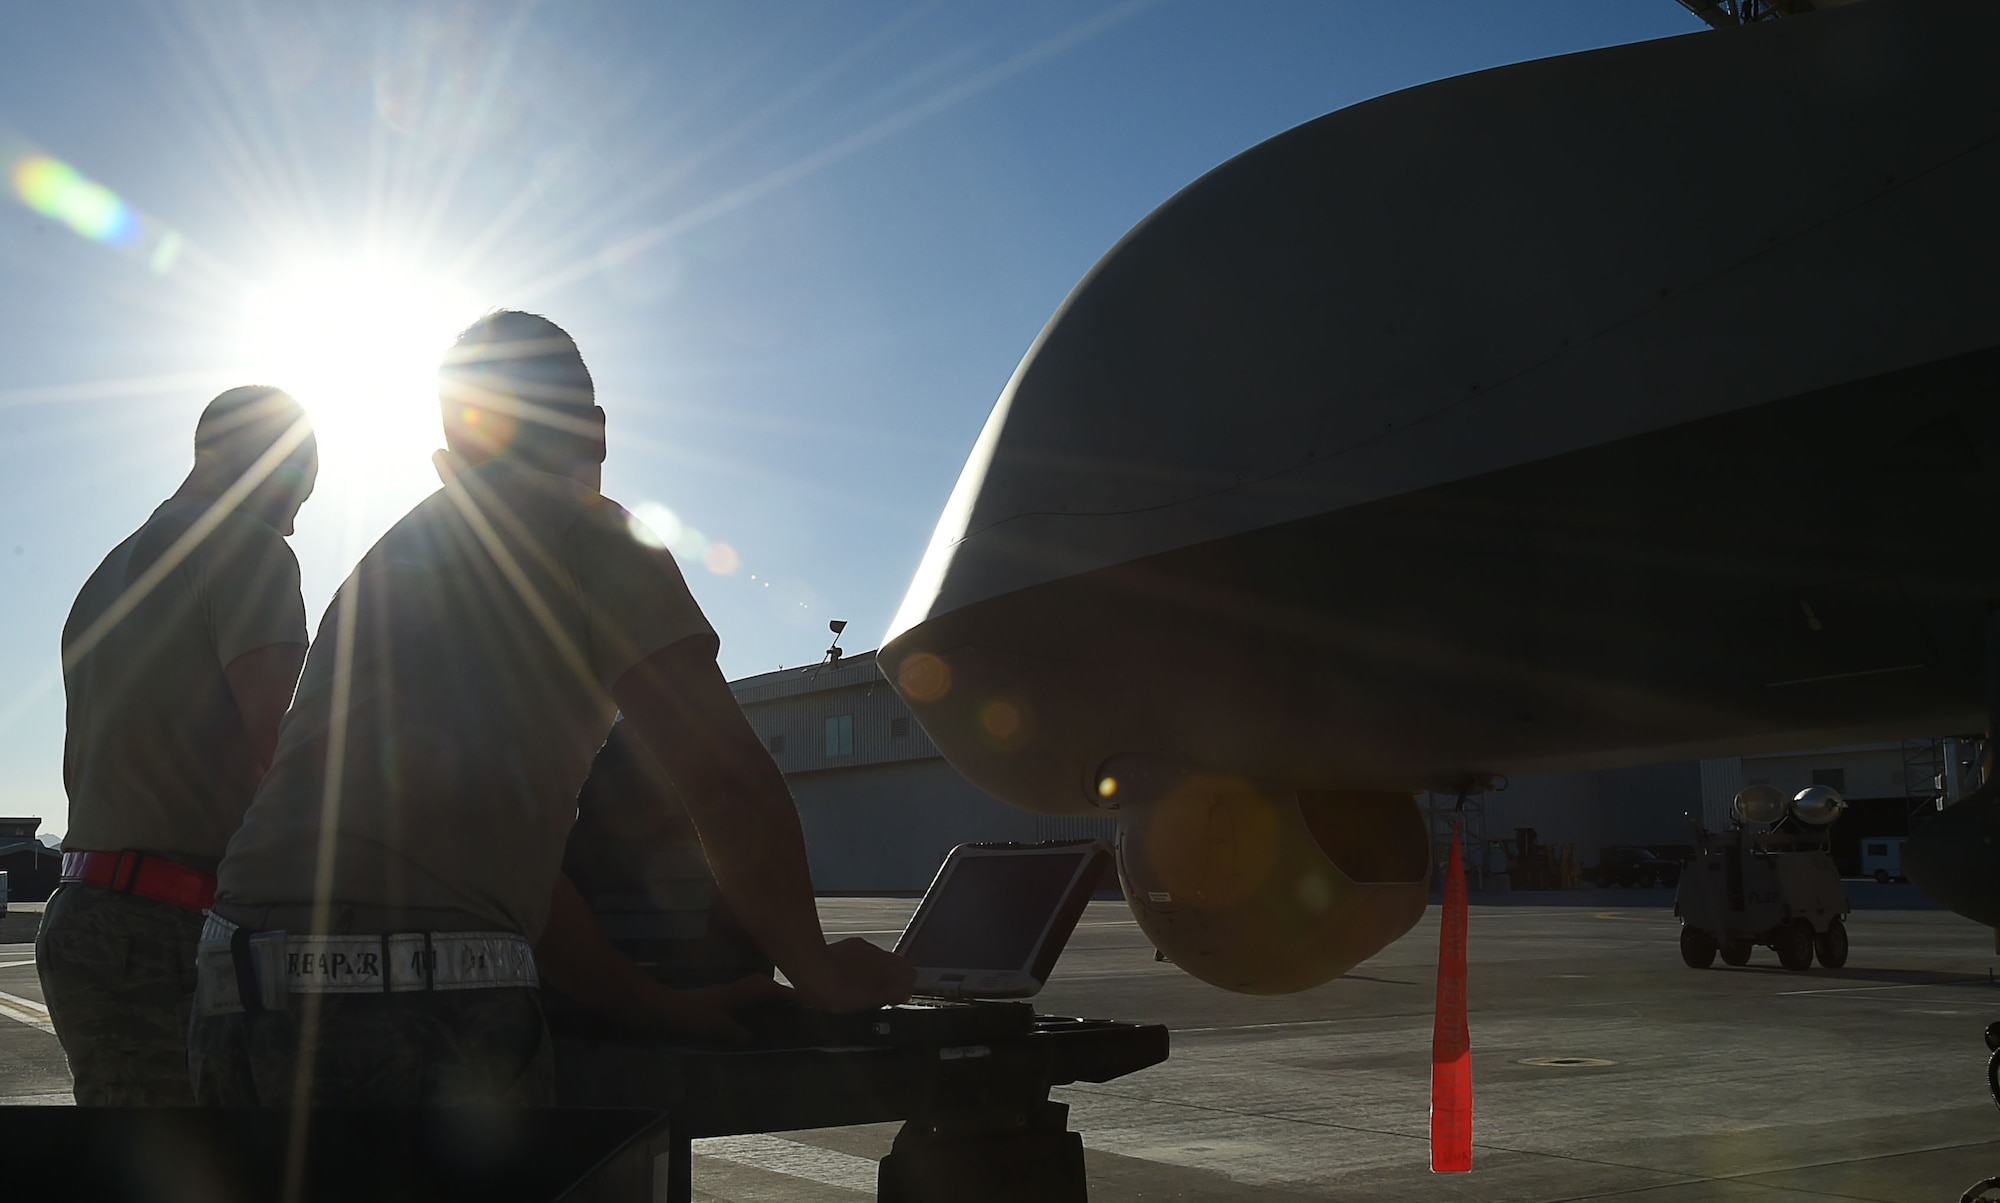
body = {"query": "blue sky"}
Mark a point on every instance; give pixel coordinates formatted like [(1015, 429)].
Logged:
[(802, 247)]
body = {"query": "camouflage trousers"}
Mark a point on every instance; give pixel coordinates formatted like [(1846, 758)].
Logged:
[(436, 1048), (118, 978)]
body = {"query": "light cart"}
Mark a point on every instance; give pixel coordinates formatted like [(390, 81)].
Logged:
[(1767, 880)]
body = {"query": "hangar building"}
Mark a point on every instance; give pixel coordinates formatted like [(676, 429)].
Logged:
[(880, 806)]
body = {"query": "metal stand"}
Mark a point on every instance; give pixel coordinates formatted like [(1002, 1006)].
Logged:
[(986, 1157), (673, 1170), (979, 1126)]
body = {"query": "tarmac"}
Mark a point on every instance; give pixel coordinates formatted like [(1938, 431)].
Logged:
[(1603, 1067)]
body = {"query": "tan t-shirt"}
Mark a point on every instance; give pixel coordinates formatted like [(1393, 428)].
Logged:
[(158, 757), (488, 627)]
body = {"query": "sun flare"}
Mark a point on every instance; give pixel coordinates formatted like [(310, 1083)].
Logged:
[(358, 343)]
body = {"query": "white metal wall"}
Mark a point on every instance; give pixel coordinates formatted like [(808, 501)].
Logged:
[(879, 819), (885, 828), (789, 713)]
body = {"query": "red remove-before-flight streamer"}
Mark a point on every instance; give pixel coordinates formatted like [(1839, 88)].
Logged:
[(1451, 1040)]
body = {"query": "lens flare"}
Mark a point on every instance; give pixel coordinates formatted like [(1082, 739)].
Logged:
[(58, 191), (688, 543), (1001, 719), (721, 559), (1314, 892), (655, 525), (166, 252), (1214, 842), (924, 677)]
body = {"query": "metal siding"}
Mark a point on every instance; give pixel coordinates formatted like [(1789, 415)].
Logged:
[(886, 827), (801, 718), (882, 818), (1721, 778)]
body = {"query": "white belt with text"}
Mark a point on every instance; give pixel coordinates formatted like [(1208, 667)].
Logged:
[(393, 963)]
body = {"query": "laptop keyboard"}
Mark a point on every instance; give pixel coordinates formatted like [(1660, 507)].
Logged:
[(791, 1025)]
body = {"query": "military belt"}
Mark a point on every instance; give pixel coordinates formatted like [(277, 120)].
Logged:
[(150, 877), (280, 964)]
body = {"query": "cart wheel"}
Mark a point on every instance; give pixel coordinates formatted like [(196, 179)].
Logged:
[(1882, 876), (1831, 945), (1697, 948), (1794, 945), (1736, 952)]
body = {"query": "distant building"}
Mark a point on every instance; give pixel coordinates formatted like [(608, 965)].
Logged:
[(879, 805), (32, 867)]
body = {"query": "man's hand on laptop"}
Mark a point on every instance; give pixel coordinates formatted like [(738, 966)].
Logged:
[(855, 976)]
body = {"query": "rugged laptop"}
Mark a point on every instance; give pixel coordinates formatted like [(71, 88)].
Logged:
[(997, 916), (988, 931)]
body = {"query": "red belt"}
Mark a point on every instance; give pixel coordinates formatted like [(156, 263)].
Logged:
[(142, 876)]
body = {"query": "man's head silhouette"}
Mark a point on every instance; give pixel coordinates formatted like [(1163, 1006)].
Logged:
[(256, 433), (514, 386)]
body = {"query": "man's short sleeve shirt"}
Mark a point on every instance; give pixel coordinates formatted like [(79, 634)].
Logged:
[(462, 678), (159, 760)]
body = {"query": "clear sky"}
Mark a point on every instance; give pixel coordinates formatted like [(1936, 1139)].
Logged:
[(801, 246)]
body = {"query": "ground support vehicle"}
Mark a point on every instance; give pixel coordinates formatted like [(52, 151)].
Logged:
[(1775, 888)]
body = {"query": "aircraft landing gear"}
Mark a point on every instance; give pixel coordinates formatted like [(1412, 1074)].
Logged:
[(1976, 1193)]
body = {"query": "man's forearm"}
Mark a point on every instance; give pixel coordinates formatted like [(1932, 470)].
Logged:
[(682, 712), (575, 957), (757, 852)]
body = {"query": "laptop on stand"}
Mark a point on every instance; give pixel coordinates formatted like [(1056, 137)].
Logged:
[(987, 934)]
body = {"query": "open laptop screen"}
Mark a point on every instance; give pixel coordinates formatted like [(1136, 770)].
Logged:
[(985, 927)]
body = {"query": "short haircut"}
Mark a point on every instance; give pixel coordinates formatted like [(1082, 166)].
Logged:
[(514, 383), (241, 425)]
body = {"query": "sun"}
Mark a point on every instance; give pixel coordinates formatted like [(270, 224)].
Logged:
[(357, 341)]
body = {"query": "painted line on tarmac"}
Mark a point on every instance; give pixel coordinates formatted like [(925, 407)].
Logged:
[(1868, 989), (26, 1010), (1256, 1027), (1296, 1023), (776, 1155), (897, 931), (17, 964)]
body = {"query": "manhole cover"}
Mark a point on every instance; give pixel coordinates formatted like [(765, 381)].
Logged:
[(1565, 1062)]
